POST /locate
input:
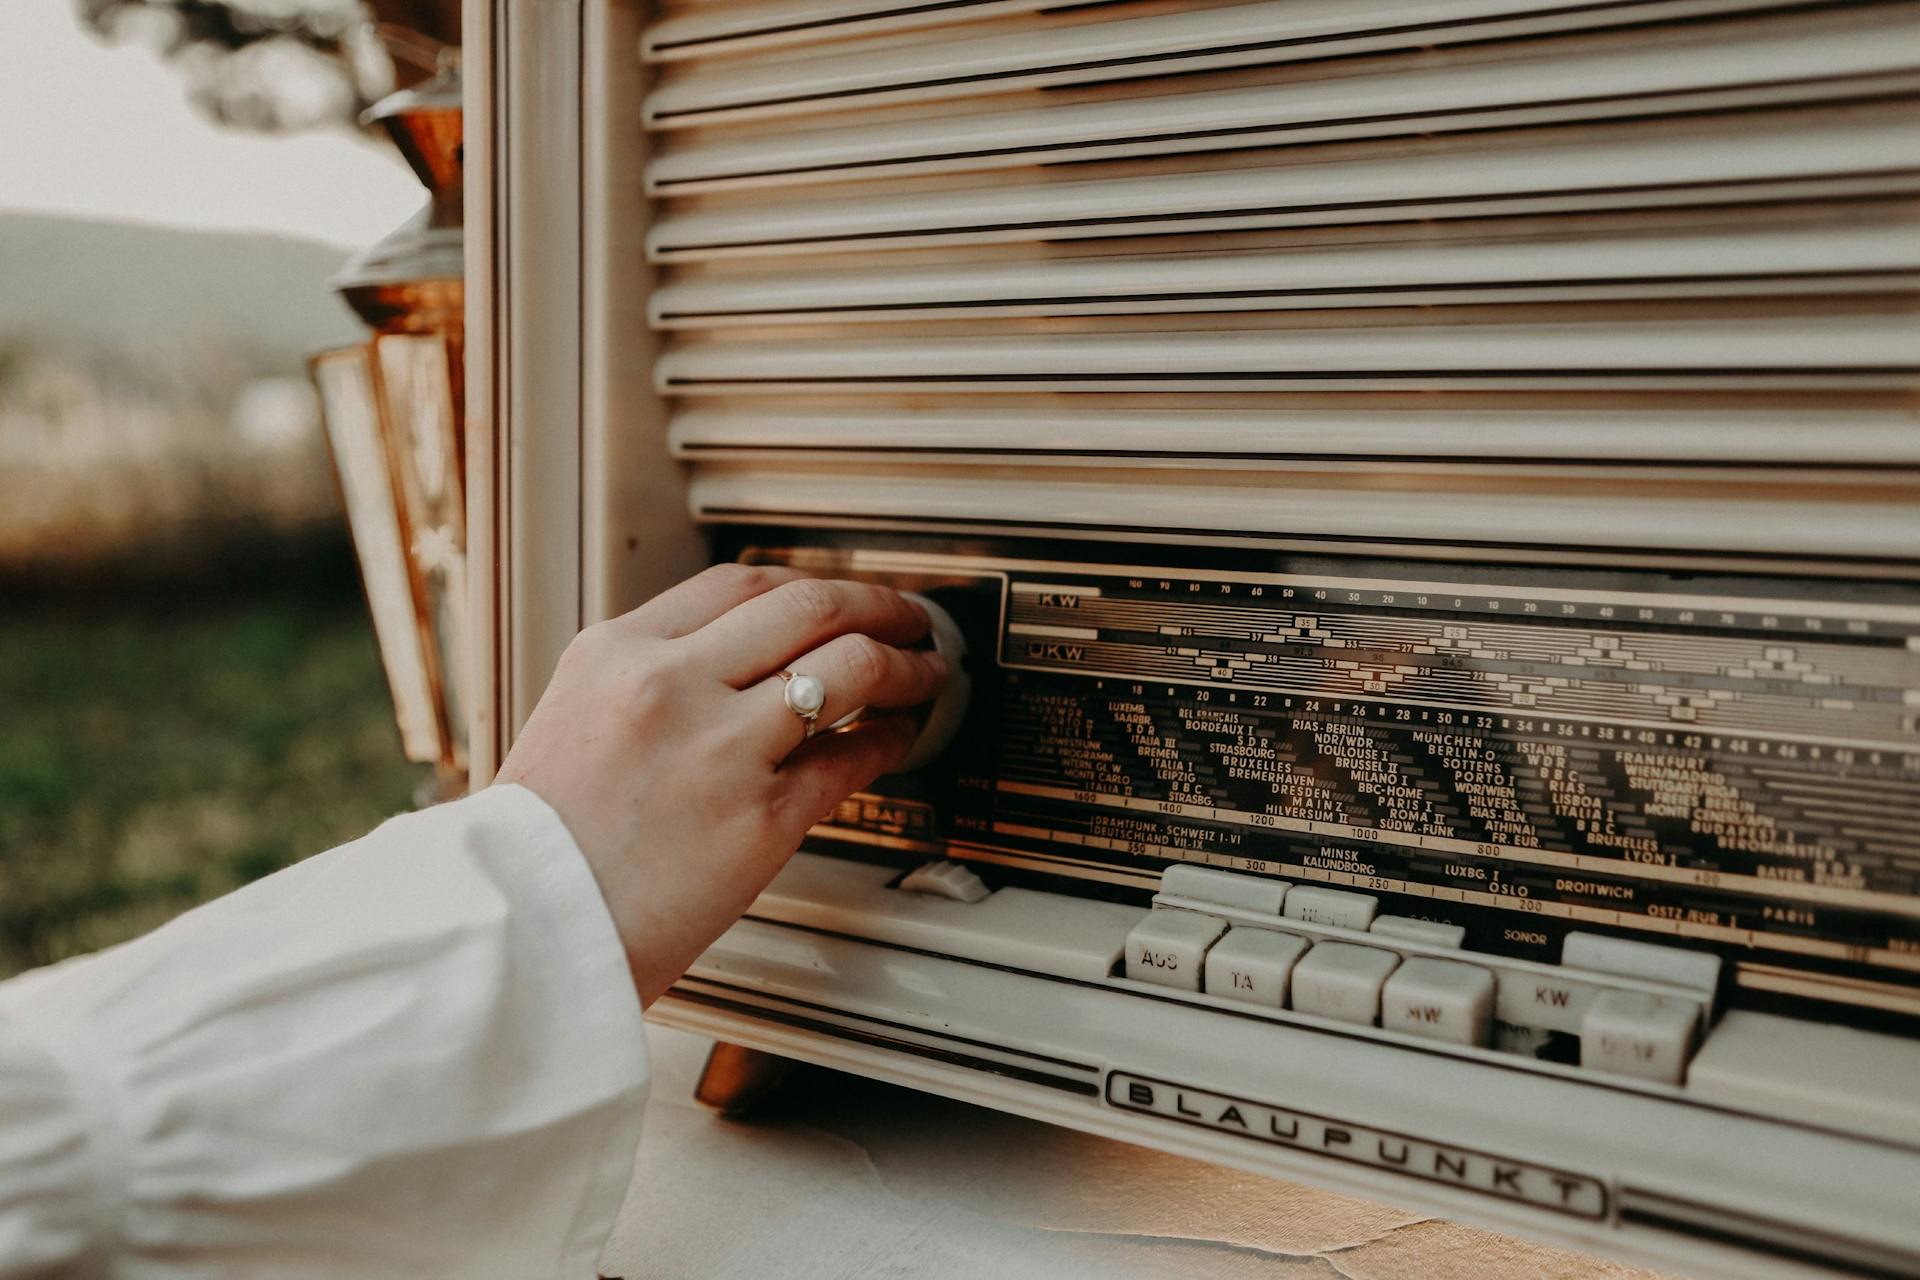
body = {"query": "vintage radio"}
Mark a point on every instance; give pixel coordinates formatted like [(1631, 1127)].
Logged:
[(1429, 496)]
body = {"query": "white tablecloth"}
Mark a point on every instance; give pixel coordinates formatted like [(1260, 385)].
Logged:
[(847, 1179)]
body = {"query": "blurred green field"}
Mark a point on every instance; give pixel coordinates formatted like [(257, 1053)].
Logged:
[(163, 741)]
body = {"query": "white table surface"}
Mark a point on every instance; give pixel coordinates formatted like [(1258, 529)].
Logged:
[(853, 1180)]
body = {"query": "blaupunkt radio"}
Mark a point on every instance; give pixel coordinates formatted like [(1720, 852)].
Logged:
[(1426, 500)]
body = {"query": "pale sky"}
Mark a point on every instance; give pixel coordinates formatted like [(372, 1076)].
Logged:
[(107, 132)]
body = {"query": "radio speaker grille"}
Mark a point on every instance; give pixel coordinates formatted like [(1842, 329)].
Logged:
[(1635, 275)]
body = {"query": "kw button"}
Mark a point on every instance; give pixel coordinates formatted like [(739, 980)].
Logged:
[(1169, 947), (1539, 1000)]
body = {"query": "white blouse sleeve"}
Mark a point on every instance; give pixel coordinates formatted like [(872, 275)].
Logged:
[(416, 1055)]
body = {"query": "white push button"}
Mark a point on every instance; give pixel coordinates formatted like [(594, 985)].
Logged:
[(1169, 948), (1407, 929), (1340, 980), (1254, 965), (1224, 888), (1331, 906), (948, 880), (1439, 999), (1632, 1033), (1544, 1000), (1697, 969)]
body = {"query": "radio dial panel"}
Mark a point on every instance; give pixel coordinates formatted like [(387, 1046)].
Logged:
[(1723, 763)]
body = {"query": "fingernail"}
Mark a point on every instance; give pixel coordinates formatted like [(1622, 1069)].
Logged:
[(935, 661)]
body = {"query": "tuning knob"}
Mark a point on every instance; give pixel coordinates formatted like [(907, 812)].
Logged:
[(949, 710)]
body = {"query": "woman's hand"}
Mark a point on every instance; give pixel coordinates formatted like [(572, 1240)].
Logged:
[(665, 744)]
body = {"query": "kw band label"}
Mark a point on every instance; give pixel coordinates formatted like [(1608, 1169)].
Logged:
[(1462, 1167)]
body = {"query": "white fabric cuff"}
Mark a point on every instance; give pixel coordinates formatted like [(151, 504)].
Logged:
[(418, 1054)]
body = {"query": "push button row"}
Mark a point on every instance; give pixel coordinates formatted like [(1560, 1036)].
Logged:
[(1512, 1005), (1440, 999), (1631, 1033)]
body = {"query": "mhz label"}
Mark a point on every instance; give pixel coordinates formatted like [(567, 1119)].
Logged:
[(1537, 1185)]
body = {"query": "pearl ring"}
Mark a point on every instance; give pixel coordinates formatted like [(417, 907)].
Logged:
[(804, 696)]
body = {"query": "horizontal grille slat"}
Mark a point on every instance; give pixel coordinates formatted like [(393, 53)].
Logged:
[(1638, 276), (1077, 437), (1277, 505), (1803, 260), (712, 30), (1876, 154), (1779, 63), (1860, 352), (1259, 33)]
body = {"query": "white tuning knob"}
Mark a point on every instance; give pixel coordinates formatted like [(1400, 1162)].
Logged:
[(950, 708)]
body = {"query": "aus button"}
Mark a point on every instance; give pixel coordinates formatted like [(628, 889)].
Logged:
[(1169, 948)]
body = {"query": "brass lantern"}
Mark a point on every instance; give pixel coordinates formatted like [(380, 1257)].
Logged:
[(394, 416)]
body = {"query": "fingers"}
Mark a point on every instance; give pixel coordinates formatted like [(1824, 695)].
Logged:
[(827, 770), (856, 671), (686, 608), (775, 627)]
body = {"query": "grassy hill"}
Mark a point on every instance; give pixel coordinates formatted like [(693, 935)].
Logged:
[(153, 390), (120, 284)]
